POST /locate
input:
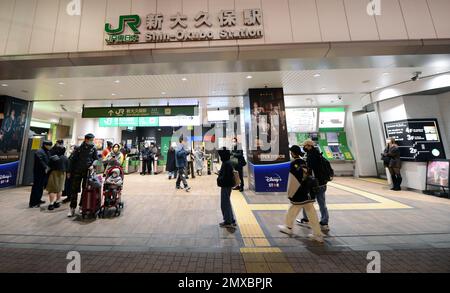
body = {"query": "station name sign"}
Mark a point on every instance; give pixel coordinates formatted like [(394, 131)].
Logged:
[(118, 112), (229, 22)]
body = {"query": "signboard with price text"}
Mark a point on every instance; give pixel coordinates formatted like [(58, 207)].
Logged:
[(419, 140)]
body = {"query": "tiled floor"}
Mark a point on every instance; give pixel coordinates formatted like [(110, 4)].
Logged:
[(167, 230)]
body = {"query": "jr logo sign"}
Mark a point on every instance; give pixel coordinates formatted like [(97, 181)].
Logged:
[(133, 21), (116, 35)]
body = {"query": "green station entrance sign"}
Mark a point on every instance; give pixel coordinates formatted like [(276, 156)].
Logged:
[(156, 111)]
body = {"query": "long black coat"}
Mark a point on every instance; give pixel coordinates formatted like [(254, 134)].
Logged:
[(170, 163)]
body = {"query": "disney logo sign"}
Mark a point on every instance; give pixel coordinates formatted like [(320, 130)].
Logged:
[(5, 178), (274, 179)]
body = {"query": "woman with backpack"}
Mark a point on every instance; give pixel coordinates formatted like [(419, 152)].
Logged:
[(301, 192), (320, 168), (59, 165)]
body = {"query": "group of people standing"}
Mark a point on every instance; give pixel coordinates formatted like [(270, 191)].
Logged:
[(149, 158), (56, 173)]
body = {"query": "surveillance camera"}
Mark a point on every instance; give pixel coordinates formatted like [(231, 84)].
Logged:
[(339, 97), (416, 75)]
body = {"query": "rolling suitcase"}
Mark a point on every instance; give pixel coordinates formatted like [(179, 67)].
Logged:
[(91, 196)]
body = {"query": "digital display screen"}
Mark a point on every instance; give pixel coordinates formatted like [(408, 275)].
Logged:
[(331, 118), (437, 173), (418, 139), (332, 138)]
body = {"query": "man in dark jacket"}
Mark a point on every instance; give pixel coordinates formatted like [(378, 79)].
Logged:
[(225, 181), (299, 193), (181, 163), (313, 157), (238, 163), (146, 155), (40, 174), (81, 162)]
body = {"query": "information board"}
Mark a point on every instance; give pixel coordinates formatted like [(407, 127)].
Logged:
[(418, 139), (301, 119)]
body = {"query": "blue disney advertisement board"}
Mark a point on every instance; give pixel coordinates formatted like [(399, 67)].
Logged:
[(13, 117), (267, 147)]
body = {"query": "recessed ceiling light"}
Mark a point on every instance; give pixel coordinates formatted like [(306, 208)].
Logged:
[(61, 83), (4, 84), (61, 95), (386, 73), (113, 94), (184, 79), (163, 93), (317, 75), (117, 81), (249, 77), (322, 89)]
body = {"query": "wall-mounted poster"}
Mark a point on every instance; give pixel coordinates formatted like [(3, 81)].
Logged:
[(419, 139), (438, 173), (301, 119), (13, 118)]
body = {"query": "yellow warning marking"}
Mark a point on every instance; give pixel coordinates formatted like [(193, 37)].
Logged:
[(382, 202), (375, 180), (254, 237), (249, 227), (260, 249)]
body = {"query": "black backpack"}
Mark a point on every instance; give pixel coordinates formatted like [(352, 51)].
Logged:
[(326, 172)]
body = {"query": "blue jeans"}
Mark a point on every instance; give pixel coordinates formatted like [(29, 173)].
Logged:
[(225, 204), (322, 206)]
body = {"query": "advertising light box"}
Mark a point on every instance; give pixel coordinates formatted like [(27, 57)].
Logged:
[(219, 115), (331, 118), (301, 119), (438, 173), (175, 121)]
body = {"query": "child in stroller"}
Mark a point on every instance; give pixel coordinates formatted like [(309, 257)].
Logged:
[(112, 190)]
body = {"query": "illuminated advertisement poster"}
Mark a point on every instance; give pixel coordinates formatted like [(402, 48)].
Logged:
[(438, 173), (267, 150), (331, 118), (13, 116), (301, 119)]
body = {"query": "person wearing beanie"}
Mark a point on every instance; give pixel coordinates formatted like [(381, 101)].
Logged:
[(225, 181), (299, 193), (40, 174)]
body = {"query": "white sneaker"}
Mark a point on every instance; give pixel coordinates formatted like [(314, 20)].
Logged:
[(315, 238), (302, 223), (284, 229), (325, 228), (71, 213)]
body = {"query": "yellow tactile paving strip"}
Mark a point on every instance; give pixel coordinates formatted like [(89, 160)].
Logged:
[(259, 256), (253, 235), (375, 180)]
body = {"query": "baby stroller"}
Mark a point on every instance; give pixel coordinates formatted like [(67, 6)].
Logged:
[(112, 190)]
